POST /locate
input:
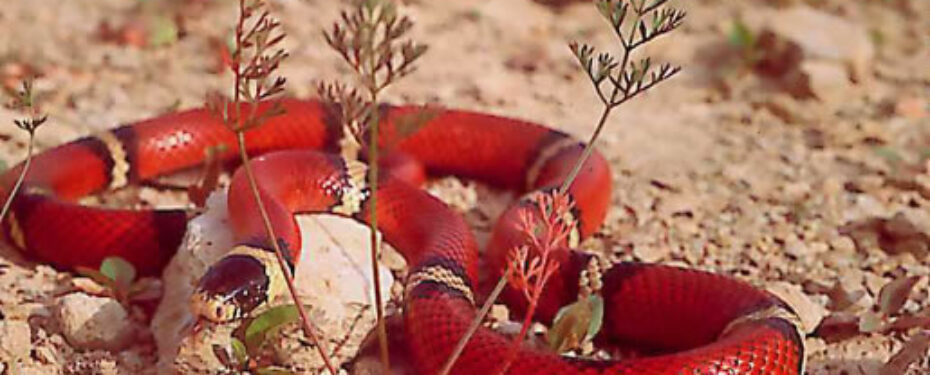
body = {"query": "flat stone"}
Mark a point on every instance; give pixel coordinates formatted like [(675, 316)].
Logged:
[(90, 322), (828, 80), (825, 36), (333, 276)]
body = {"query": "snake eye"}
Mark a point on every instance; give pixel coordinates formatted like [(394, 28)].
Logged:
[(218, 312), (232, 287)]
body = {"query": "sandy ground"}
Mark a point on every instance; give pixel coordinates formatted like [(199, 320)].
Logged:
[(805, 173)]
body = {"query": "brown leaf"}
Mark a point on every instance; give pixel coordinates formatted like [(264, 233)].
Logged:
[(838, 327), (913, 350), (894, 294), (409, 123), (908, 321), (575, 324), (841, 299), (210, 178)]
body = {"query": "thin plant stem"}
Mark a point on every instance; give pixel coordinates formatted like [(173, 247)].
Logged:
[(475, 323), (279, 254), (588, 150), (524, 328), (20, 179), (239, 125), (373, 226), (625, 87)]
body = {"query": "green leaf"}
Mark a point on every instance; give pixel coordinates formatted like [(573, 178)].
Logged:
[(740, 35), (239, 352), (120, 271), (266, 323), (3, 166), (597, 317), (163, 31), (576, 323)]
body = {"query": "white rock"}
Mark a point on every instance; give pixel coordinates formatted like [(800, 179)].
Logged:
[(90, 322), (828, 80), (14, 339), (335, 266), (205, 242), (825, 36), (333, 274)]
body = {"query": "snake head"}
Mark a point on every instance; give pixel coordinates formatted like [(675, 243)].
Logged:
[(236, 285)]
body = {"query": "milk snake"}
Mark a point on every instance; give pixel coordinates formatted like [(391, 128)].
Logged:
[(684, 321)]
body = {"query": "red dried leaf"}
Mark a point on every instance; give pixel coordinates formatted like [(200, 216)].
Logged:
[(210, 178), (838, 327), (842, 299), (914, 349), (894, 294)]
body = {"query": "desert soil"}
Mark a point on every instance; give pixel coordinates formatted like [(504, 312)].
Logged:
[(793, 154)]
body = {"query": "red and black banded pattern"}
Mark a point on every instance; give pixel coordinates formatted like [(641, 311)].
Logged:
[(687, 321)]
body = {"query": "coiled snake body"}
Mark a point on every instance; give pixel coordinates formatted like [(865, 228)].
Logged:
[(689, 322)]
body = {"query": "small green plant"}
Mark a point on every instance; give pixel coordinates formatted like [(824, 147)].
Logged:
[(530, 266), (253, 62), (24, 100), (118, 279), (616, 80), (245, 353), (745, 41), (370, 39), (576, 324)]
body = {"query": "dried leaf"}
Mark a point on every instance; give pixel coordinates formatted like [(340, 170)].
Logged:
[(908, 321), (273, 370), (89, 285), (96, 276), (576, 323), (913, 350), (841, 299), (409, 123), (838, 327), (894, 294), (146, 289), (209, 181)]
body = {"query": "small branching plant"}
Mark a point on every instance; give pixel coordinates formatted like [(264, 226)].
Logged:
[(530, 265), (253, 62), (245, 352), (371, 39), (116, 278), (24, 100), (616, 79)]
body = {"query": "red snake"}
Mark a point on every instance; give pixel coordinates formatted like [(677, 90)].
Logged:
[(681, 321)]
